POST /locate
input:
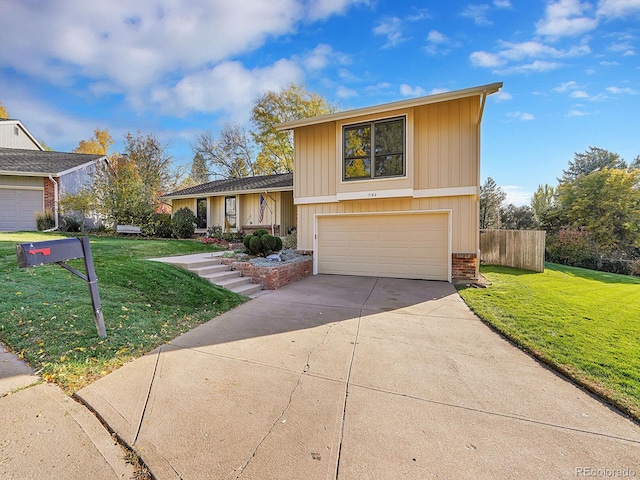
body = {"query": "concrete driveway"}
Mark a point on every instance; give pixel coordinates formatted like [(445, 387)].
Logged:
[(358, 378)]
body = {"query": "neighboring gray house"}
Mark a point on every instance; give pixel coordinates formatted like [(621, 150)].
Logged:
[(33, 180)]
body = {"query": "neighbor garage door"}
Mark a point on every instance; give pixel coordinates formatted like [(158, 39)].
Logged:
[(18, 207), (400, 245)]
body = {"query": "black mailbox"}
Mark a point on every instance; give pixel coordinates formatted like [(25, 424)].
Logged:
[(50, 251), (59, 251)]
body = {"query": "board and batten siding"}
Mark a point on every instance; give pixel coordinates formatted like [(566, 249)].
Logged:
[(464, 220), (442, 151)]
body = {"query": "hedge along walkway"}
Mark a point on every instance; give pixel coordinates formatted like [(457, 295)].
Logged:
[(582, 322)]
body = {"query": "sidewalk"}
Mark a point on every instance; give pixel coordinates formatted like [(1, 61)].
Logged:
[(45, 434)]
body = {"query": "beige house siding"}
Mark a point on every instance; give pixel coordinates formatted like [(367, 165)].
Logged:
[(280, 212), (464, 221), (446, 144), (442, 141), (179, 203)]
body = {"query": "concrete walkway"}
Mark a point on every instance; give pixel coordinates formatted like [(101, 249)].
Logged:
[(45, 434), (358, 378)]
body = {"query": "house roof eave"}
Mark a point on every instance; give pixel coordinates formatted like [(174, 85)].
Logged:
[(412, 102), (228, 193)]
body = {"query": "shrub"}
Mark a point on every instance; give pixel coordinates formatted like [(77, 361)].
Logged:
[(216, 234), (183, 223), (255, 245), (70, 224), (571, 247), (45, 220), (158, 225), (260, 232), (270, 244), (635, 268), (290, 241)]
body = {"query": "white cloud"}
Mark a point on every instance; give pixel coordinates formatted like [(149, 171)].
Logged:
[(529, 50), (608, 63), (409, 91), (522, 116), (392, 29), (577, 113), (502, 4), (133, 48), (438, 43), (486, 59), (477, 13), (435, 91), (621, 91), (502, 96), (344, 92), (566, 18), (227, 87), (565, 86), (579, 94), (516, 195), (618, 8)]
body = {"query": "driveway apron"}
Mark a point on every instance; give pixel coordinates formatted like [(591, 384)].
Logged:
[(338, 377)]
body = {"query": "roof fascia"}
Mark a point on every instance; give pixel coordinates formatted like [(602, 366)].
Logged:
[(413, 102), (78, 167), (229, 192)]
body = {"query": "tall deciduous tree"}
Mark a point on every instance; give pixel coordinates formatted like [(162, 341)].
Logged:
[(127, 189), (517, 218), (291, 103), (152, 164), (591, 160), (3, 111), (82, 203), (231, 155), (542, 203), (199, 171), (606, 203), (97, 145), (491, 198)]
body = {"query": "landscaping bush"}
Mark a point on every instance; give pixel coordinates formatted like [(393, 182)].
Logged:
[(183, 223), (261, 243), (571, 247), (270, 244), (45, 220), (290, 242), (71, 224), (217, 234), (158, 225)]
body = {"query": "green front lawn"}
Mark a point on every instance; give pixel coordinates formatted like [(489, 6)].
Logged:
[(584, 323), (47, 318)]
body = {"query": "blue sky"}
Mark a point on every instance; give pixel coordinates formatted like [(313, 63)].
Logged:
[(175, 68)]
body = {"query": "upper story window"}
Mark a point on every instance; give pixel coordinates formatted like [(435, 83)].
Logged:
[(374, 149)]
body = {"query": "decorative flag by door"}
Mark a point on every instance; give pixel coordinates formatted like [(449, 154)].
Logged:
[(263, 204)]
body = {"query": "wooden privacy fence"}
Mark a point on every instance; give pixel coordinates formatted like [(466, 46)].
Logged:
[(522, 249)]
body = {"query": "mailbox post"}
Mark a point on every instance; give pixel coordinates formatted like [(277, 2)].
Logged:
[(59, 251)]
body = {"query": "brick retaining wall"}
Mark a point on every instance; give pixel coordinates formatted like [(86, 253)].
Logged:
[(274, 277)]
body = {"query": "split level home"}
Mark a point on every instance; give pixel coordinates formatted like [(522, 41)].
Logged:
[(390, 190), (33, 180)]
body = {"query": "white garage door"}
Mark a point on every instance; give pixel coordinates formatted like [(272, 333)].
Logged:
[(18, 207), (399, 245)]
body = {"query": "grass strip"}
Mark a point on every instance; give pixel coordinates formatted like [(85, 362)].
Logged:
[(585, 324), (46, 315)]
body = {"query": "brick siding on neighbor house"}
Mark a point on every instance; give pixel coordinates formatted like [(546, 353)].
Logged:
[(274, 277), (463, 266), (49, 195)]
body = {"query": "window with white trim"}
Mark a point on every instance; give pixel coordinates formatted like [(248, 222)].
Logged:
[(374, 149)]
